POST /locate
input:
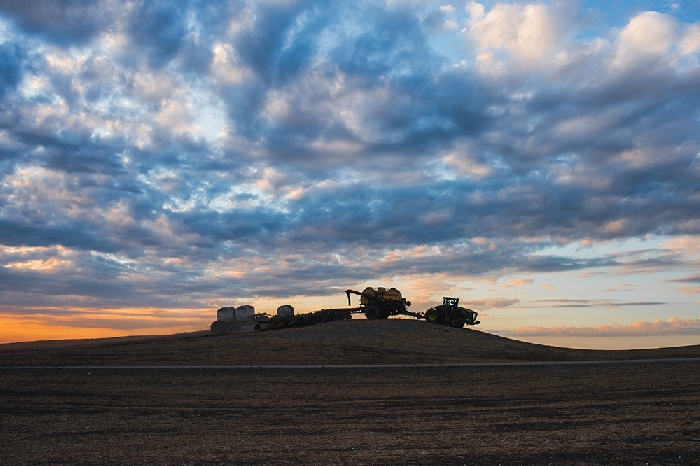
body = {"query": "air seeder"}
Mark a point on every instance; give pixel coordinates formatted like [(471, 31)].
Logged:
[(377, 303)]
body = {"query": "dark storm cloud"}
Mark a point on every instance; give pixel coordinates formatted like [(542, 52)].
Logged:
[(346, 133)]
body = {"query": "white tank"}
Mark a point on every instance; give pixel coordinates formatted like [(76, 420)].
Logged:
[(245, 314), (225, 314), (285, 311)]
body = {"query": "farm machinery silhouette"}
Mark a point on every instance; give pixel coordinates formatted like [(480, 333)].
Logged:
[(374, 304)]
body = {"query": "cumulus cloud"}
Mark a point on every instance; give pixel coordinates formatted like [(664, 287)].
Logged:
[(166, 154), (524, 33)]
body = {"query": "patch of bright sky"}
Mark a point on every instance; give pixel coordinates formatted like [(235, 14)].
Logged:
[(209, 116), (121, 260), (4, 30), (617, 13), (450, 44)]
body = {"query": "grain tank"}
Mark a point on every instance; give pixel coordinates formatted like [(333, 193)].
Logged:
[(236, 319)]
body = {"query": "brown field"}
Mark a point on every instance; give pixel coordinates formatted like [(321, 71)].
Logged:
[(70, 403)]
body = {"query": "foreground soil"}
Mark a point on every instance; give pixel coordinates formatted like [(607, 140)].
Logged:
[(634, 407)]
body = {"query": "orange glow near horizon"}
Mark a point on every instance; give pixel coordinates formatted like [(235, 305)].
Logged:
[(22, 328)]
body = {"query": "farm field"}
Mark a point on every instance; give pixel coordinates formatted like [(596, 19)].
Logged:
[(78, 404)]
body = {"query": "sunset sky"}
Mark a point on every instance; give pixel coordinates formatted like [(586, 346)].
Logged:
[(540, 161)]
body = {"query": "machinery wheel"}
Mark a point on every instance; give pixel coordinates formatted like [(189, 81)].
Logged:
[(215, 327), (372, 313), (383, 313), (432, 316), (457, 324)]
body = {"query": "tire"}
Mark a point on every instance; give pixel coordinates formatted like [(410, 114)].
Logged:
[(372, 313), (215, 327), (432, 316), (457, 324), (383, 313)]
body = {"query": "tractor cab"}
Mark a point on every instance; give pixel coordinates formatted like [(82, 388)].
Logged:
[(452, 303)]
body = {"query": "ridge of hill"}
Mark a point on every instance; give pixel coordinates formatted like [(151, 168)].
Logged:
[(345, 342)]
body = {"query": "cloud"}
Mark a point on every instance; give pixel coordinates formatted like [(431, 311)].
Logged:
[(688, 290), (564, 303), (688, 279), (490, 303), (525, 33), (64, 22), (621, 287), (518, 282), (204, 150), (11, 64), (672, 326)]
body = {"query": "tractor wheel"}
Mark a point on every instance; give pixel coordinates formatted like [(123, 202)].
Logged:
[(372, 313), (457, 324), (383, 313), (432, 316), (215, 327)]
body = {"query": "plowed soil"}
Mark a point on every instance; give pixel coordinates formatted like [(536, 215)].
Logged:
[(81, 402)]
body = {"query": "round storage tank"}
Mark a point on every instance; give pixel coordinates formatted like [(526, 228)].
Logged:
[(245, 313), (393, 294), (369, 291), (225, 314), (285, 311)]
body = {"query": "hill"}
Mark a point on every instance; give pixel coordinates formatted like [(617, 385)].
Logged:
[(344, 342)]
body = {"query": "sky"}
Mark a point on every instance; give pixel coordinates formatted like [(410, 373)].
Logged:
[(540, 161)]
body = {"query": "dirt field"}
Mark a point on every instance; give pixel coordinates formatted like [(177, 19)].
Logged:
[(633, 412)]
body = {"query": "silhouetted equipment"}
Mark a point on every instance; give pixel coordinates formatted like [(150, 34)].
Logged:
[(449, 313), (285, 319), (381, 303), (377, 303), (236, 319)]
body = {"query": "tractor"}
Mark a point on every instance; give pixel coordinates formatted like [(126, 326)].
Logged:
[(449, 313)]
